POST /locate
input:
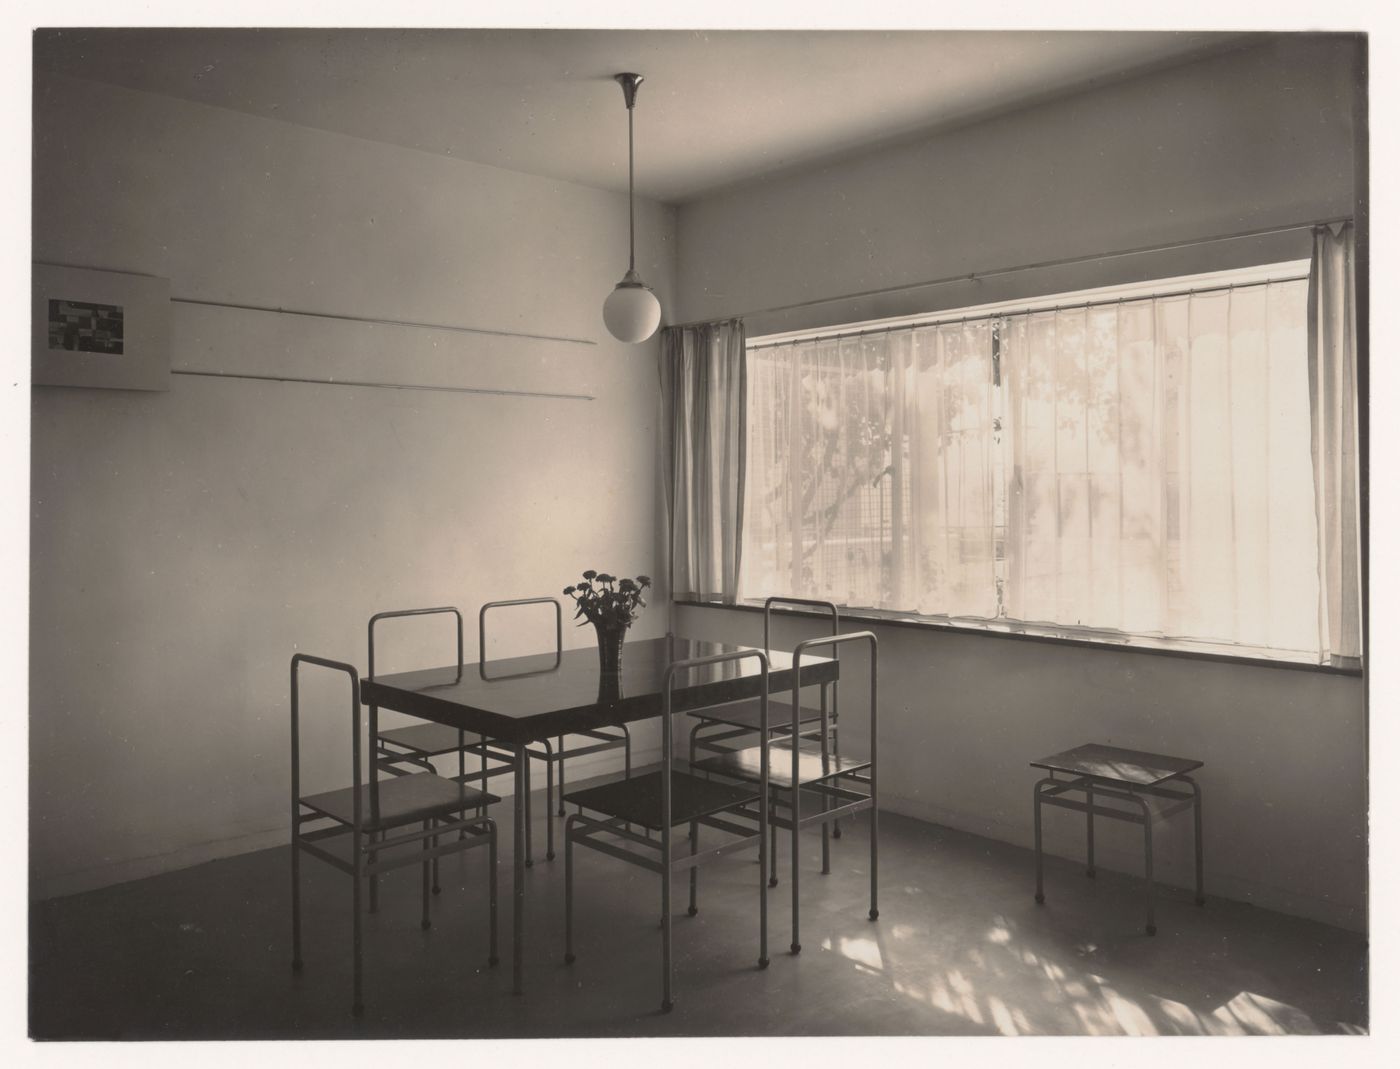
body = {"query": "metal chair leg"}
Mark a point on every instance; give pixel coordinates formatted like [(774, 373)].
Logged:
[(667, 1003), (427, 921), (627, 759), (826, 767), (1089, 798), (772, 846), (765, 816), (373, 880), (569, 889), (836, 749), (296, 897), (437, 889), (518, 861), (561, 783), (493, 882), (357, 1007), (874, 862), (462, 778), (549, 800), (796, 793), (694, 869)]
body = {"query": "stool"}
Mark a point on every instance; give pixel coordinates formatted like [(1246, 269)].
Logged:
[(1142, 786)]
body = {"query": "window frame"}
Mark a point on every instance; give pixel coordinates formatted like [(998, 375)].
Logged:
[(1177, 285)]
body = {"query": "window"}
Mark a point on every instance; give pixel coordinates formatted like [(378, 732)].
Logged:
[(1125, 463)]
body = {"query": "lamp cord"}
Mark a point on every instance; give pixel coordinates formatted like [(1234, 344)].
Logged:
[(631, 225)]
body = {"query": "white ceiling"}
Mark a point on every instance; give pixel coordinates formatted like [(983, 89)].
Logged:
[(717, 108)]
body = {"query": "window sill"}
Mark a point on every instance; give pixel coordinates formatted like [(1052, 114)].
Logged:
[(890, 619)]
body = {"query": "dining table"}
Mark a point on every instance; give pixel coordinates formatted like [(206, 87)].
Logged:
[(517, 701)]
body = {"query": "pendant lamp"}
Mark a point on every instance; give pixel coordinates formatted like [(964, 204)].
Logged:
[(632, 313)]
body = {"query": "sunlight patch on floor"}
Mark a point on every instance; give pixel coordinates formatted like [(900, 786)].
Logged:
[(987, 981)]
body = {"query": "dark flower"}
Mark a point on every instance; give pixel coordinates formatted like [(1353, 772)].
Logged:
[(590, 574), (645, 580), (568, 590), (626, 584), (605, 578)]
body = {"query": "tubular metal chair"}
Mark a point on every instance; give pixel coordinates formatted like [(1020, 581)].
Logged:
[(416, 745), (605, 738), (420, 743), (845, 786), (717, 726), (417, 808), (662, 801)]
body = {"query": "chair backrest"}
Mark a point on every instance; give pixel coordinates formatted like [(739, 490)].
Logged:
[(666, 681), (298, 660), (558, 633), (396, 613), (835, 641), (779, 599), (835, 630)]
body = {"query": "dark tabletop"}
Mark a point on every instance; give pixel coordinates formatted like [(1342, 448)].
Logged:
[(522, 699), (1113, 763)]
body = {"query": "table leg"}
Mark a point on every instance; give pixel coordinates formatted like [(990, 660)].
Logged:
[(1039, 859), (1147, 866), (518, 913), (1089, 799), (1200, 866), (529, 830), (826, 759)]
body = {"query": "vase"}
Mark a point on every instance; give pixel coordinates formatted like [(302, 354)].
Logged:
[(610, 639)]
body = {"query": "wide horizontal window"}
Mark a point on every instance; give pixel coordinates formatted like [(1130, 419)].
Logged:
[(1129, 462)]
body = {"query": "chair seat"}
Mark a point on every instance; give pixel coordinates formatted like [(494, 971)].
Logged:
[(638, 800), (745, 764), (402, 800), (745, 714), (428, 739)]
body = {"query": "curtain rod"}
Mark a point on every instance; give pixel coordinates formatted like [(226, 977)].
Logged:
[(935, 319), (1067, 261), (381, 322), (382, 385)]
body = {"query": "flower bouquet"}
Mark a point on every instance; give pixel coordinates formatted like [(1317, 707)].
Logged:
[(610, 605)]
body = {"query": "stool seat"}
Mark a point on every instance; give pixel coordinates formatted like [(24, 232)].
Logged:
[(638, 800), (1115, 764), (402, 800)]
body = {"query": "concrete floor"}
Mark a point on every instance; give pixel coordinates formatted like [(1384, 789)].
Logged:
[(960, 948)]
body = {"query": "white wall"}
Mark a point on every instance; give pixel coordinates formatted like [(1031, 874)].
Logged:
[(1237, 142), (1232, 143), (185, 544)]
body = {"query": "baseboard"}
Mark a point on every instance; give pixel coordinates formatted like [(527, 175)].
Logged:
[(76, 881), (1219, 884)]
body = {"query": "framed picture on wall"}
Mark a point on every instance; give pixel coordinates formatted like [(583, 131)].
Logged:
[(101, 329)]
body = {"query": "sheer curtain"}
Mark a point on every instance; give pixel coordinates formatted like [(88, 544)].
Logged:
[(870, 477), (704, 400), (1333, 386), (1158, 480), (1136, 466)]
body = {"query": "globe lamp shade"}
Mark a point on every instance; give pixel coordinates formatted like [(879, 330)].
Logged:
[(632, 313)]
